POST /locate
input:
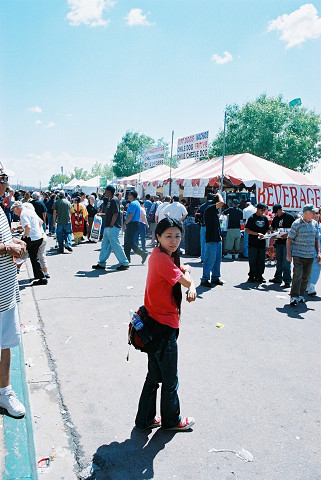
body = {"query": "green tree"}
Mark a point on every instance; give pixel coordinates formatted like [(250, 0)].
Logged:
[(80, 174), (130, 153), (58, 179), (167, 158), (270, 128)]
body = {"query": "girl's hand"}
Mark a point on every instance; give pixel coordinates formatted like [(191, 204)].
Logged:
[(191, 295)]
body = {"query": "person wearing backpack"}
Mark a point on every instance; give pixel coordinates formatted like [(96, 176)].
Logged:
[(162, 301)]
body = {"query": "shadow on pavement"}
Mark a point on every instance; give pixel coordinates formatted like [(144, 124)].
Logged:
[(92, 273), (294, 312), (25, 283), (132, 458)]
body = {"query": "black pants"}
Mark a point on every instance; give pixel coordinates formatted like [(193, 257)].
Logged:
[(129, 240), (256, 262), (32, 249)]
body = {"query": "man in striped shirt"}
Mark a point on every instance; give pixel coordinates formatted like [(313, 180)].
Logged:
[(9, 296), (301, 245)]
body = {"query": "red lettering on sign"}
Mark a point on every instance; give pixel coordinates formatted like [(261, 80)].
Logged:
[(303, 200), (260, 195), (286, 203), (294, 197), (269, 200), (277, 189), (317, 197), (308, 195)]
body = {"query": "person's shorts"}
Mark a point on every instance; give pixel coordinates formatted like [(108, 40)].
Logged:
[(9, 328)]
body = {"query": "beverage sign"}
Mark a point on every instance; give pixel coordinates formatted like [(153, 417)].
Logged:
[(291, 197), (194, 146), (154, 156)]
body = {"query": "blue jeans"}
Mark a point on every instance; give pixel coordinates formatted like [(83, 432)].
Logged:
[(142, 234), (162, 371), (129, 240), (111, 243), (315, 275), (212, 261), (64, 234), (50, 223), (283, 267), (202, 239), (246, 245)]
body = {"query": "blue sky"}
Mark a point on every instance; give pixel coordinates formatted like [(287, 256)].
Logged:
[(76, 74)]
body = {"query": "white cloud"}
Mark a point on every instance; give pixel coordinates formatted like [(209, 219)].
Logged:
[(136, 18), (297, 27), (50, 125), (222, 59), (88, 12), (35, 109), (38, 122), (33, 169)]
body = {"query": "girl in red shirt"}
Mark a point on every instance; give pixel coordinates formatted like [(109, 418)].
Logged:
[(163, 298)]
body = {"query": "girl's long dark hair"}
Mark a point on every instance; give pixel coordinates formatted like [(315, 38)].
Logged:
[(163, 225)]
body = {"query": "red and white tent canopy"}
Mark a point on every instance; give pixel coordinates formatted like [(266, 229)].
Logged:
[(242, 169), (147, 176)]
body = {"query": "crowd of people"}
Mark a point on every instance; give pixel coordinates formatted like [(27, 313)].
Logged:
[(267, 234)]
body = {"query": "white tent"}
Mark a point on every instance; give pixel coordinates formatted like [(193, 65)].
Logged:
[(91, 185), (74, 183)]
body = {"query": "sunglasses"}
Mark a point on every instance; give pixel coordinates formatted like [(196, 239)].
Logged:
[(4, 178)]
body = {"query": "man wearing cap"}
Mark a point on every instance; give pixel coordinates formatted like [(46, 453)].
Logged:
[(40, 208), (233, 236), (302, 243), (283, 267), (110, 242), (61, 209), (257, 226), (9, 298)]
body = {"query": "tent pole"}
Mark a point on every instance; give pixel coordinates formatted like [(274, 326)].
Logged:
[(223, 156), (170, 167)]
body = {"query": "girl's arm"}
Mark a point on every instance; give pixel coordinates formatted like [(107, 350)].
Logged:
[(187, 281)]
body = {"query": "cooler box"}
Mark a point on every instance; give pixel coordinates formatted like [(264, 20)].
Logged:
[(192, 239)]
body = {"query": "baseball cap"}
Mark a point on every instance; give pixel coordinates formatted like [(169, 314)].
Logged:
[(261, 206), (5, 171), (276, 207), (309, 207)]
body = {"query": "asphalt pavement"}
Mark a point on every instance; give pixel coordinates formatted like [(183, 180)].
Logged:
[(249, 371)]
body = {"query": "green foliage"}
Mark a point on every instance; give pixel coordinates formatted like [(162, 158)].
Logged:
[(58, 179), (130, 153), (271, 129), (101, 170), (167, 159), (79, 174)]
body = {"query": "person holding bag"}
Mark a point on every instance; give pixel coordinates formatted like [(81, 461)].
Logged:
[(162, 301)]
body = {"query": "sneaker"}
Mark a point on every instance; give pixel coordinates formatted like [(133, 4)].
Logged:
[(251, 279), (69, 249), (185, 424), (312, 294), (206, 283), (157, 422), (122, 267), (47, 275), (274, 280), (301, 299), (236, 256), (229, 256), (41, 281), (217, 281), (10, 402), (144, 256), (294, 301), (98, 267), (286, 285)]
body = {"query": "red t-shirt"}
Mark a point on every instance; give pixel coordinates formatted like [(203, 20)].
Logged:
[(159, 299)]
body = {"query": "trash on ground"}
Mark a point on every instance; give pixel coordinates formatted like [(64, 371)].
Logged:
[(29, 362), (242, 454), (43, 465), (219, 325), (129, 287)]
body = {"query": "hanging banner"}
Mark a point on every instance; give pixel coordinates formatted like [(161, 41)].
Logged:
[(174, 189), (291, 197), (194, 146), (154, 156), (151, 189), (194, 192)]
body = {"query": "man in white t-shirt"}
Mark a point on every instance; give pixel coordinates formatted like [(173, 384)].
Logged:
[(175, 210), (10, 248), (247, 213), (160, 209), (32, 236)]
